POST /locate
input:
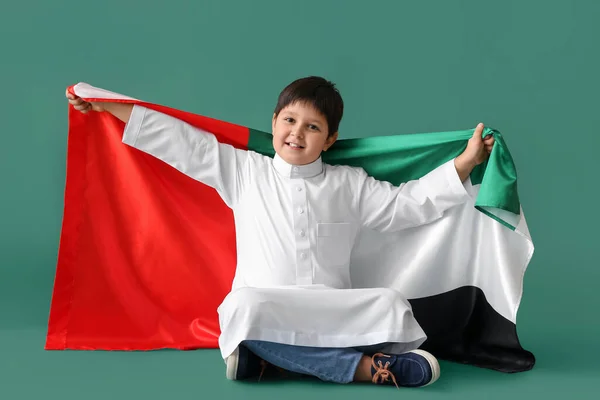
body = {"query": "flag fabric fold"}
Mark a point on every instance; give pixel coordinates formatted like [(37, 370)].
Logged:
[(147, 254)]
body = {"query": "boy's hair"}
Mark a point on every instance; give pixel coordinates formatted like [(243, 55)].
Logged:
[(317, 92)]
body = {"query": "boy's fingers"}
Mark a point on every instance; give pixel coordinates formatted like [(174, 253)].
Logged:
[(478, 131), (77, 102), (70, 95)]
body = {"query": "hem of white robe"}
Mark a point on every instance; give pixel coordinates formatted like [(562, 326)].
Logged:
[(398, 342)]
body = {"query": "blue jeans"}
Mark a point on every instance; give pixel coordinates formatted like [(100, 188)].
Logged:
[(328, 364)]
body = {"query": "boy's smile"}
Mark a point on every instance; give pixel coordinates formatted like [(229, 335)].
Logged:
[(294, 146), (300, 134)]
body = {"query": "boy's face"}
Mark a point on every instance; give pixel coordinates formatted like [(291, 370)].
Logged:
[(300, 134)]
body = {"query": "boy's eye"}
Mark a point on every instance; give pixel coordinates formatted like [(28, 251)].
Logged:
[(314, 127), (289, 119)]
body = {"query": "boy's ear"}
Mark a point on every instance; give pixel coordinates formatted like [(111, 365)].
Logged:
[(330, 141), (273, 122)]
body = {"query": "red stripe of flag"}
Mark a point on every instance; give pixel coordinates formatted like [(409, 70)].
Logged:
[(146, 253)]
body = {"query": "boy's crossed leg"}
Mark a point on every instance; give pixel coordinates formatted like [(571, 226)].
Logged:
[(340, 365)]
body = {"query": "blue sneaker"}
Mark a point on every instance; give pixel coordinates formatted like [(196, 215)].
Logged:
[(243, 364), (412, 369)]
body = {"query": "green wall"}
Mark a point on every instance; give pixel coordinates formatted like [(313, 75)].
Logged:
[(527, 68)]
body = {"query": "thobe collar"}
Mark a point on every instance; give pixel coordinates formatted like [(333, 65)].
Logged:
[(297, 171)]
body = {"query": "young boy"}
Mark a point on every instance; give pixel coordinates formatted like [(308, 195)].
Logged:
[(296, 219)]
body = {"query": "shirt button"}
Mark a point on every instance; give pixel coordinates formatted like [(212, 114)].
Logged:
[(301, 210), (295, 169), (303, 255), (299, 189), (302, 233)]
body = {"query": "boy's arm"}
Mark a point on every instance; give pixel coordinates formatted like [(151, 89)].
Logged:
[(385, 207), (192, 151), (388, 208), (119, 110)]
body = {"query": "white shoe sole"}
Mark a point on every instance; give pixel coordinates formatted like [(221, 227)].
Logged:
[(433, 362), (232, 365)]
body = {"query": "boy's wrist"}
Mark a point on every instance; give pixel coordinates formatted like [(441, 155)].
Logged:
[(463, 166), (119, 110)]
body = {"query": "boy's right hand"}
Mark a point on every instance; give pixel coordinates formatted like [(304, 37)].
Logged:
[(83, 106)]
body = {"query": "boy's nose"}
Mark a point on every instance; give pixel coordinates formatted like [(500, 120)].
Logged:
[(297, 133)]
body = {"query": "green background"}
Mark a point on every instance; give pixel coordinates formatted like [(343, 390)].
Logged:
[(527, 68)]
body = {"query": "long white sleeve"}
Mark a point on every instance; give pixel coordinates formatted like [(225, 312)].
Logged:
[(388, 208), (192, 151)]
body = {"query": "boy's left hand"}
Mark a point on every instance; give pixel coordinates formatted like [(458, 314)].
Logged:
[(478, 150)]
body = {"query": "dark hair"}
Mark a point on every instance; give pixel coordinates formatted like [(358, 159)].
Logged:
[(317, 92)]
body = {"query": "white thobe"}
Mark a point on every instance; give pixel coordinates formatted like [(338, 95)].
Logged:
[(295, 229)]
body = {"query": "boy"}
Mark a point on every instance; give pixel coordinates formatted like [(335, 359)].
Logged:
[(296, 219)]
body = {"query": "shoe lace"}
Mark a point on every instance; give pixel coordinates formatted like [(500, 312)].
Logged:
[(382, 373)]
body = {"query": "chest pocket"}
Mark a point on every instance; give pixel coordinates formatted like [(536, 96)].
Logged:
[(334, 243)]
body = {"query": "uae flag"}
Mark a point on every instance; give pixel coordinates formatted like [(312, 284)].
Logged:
[(147, 253)]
